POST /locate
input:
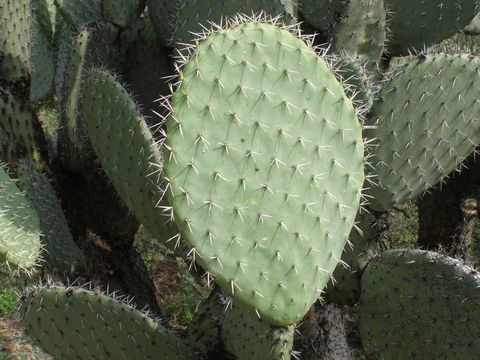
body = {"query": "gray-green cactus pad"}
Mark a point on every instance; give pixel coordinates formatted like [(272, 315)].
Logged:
[(126, 149), (77, 324), (361, 32), (420, 305), (17, 132), (426, 22), (61, 251), (15, 39), (20, 246), (264, 165), (474, 27), (176, 20), (248, 337), (426, 122)]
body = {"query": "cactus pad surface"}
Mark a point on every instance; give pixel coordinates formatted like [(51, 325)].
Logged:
[(264, 167), (417, 304)]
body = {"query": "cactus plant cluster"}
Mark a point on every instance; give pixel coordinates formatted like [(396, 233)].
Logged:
[(252, 164)]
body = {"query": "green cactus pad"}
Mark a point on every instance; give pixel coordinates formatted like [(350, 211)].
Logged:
[(20, 245), (176, 20), (264, 166), (344, 288), (77, 324), (357, 83), (248, 337), (419, 305), (361, 32), (42, 67), (17, 133), (426, 23), (92, 47), (126, 149), (61, 251), (80, 13), (322, 14), (426, 122), (15, 39), (46, 17)]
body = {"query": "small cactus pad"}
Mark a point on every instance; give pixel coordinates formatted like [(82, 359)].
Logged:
[(42, 68), (17, 133), (264, 167), (426, 23), (91, 47), (419, 305), (78, 324), (361, 32), (46, 17), (176, 20), (248, 337), (426, 123), (126, 149), (61, 251), (20, 246), (15, 39)]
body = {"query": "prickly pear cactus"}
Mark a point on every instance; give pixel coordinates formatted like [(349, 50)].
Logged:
[(344, 288), (91, 47), (74, 323), (17, 130), (20, 246), (113, 124), (79, 13), (264, 166), (248, 337), (176, 20), (42, 68), (61, 251), (426, 124), (361, 37), (15, 39), (426, 23), (415, 303)]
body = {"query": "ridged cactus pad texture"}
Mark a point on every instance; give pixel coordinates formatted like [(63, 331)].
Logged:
[(426, 122), (126, 149), (15, 38), (248, 337), (61, 252), (175, 20), (20, 245), (77, 324), (264, 167), (420, 305), (427, 22)]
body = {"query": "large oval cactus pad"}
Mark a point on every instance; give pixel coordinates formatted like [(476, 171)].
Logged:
[(426, 123), (264, 159), (74, 323), (420, 305)]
